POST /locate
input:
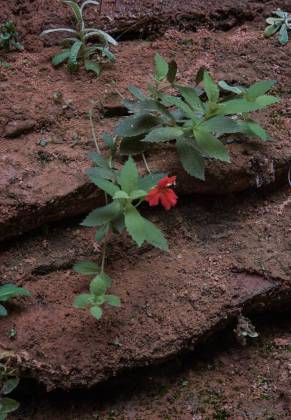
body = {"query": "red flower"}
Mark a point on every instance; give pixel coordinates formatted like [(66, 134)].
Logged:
[(162, 193)]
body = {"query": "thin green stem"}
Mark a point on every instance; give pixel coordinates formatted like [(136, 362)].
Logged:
[(93, 132), (146, 164)]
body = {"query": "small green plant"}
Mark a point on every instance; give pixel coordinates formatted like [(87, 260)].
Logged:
[(9, 380), (8, 292), (125, 190), (9, 37), (79, 46), (193, 117), (279, 24)]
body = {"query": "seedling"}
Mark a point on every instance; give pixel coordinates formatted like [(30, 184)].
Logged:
[(8, 292), (8, 382), (195, 119), (279, 24), (9, 37), (78, 47), (124, 191)]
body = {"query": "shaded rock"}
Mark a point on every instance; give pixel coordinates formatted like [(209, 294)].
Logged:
[(18, 127)]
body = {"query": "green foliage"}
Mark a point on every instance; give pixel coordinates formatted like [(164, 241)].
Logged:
[(8, 292), (9, 37), (87, 45), (8, 382), (193, 117), (280, 25), (124, 191)]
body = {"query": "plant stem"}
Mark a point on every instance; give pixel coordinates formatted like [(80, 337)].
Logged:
[(93, 131), (146, 164)]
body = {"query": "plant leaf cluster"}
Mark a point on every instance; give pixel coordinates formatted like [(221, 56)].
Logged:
[(194, 117), (8, 292), (9, 37), (8, 382), (86, 45), (280, 24), (124, 191)]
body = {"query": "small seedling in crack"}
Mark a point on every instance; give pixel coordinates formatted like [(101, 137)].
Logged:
[(280, 24), (195, 118), (245, 328), (9, 380), (84, 45), (8, 292)]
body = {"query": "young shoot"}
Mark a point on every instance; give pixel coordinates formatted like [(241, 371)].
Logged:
[(280, 24)]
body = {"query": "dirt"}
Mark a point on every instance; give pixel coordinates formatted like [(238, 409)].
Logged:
[(228, 254), (222, 381)]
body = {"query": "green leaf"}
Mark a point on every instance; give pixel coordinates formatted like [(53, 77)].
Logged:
[(138, 93), (112, 300), (177, 102), (211, 146), (271, 30), (141, 230), (253, 128), (9, 385), (60, 58), (211, 89), (132, 145), (283, 35), (102, 215), (191, 159), (191, 97), (74, 52), (97, 312), (107, 53), (163, 134), (120, 194), (105, 185), (102, 232), (3, 311), (240, 106), (108, 140), (9, 291), (259, 88), (75, 8), (100, 283), (128, 179), (172, 71), (98, 160), (8, 405), (234, 89), (83, 300), (92, 66), (135, 195), (161, 68), (101, 173), (87, 268), (149, 181), (137, 124), (220, 125)]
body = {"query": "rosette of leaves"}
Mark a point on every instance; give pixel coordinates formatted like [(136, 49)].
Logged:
[(86, 45), (280, 25), (8, 292), (8, 382), (124, 191), (9, 37), (195, 118)]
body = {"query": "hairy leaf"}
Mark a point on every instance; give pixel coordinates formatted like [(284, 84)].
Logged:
[(191, 159), (102, 215), (87, 268)]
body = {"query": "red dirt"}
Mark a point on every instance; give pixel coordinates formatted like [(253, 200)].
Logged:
[(227, 255), (239, 383)]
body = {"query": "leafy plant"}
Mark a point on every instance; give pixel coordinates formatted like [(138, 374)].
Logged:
[(124, 191), (8, 382), (279, 24), (9, 37), (193, 117), (79, 46), (8, 292)]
